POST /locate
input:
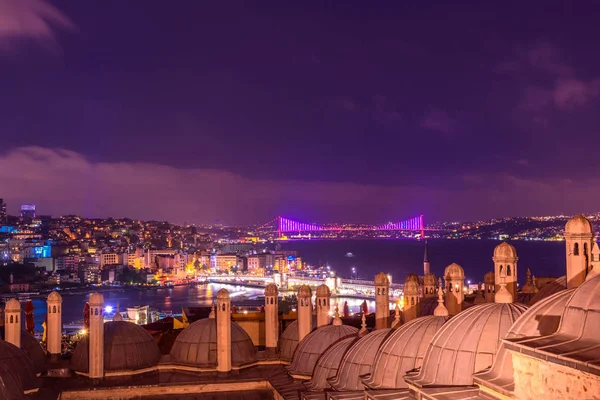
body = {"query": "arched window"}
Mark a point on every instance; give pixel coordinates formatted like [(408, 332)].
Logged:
[(11, 319), (576, 249), (508, 270), (95, 311), (585, 253), (48, 309), (412, 301), (501, 269), (223, 307), (54, 309), (16, 319)]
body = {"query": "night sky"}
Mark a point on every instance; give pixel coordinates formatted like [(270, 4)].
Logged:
[(197, 111)]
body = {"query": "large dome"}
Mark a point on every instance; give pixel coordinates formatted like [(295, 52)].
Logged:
[(578, 225), (314, 344), (35, 351), (556, 286), (288, 341), (403, 351), (127, 347), (10, 384), (468, 343), (576, 341), (505, 251), (16, 369), (196, 345), (358, 361), (328, 364), (539, 320)]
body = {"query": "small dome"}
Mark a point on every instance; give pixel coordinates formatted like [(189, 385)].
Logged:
[(127, 347), (468, 343), (16, 368), (454, 271), (576, 341), (505, 251), (579, 225), (35, 351), (54, 297), (556, 286), (196, 345), (328, 364), (304, 292), (288, 341), (323, 291), (12, 305), (412, 277), (381, 279), (358, 361), (223, 294), (489, 278), (271, 290), (314, 344), (539, 320), (96, 298), (429, 279), (403, 351)]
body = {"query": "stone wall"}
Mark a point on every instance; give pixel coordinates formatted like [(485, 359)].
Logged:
[(537, 379)]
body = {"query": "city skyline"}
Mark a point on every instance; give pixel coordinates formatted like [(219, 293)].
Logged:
[(348, 113)]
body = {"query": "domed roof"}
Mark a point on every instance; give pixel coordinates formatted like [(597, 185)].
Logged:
[(468, 343), (556, 286), (381, 279), (539, 320), (489, 278), (304, 291), (505, 251), (288, 341), (328, 364), (34, 350), (576, 340), (429, 279), (16, 368), (314, 344), (271, 290), (412, 277), (197, 345), (403, 351), (454, 271), (127, 347), (12, 305), (223, 294), (358, 361), (323, 291), (54, 296), (578, 225), (96, 298)]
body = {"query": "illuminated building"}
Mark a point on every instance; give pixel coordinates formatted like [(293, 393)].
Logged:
[(3, 214), (27, 212)]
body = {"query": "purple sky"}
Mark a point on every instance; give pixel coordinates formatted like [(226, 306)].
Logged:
[(241, 111)]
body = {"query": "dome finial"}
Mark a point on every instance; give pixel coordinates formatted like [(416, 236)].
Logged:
[(117, 316), (363, 327), (212, 311), (503, 295), (440, 310), (396, 323), (337, 321)]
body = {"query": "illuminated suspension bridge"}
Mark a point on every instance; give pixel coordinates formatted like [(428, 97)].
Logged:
[(286, 225)]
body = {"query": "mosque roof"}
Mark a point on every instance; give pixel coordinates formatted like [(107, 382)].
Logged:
[(381, 279), (558, 285), (323, 291), (54, 296), (271, 290), (35, 351), (328, 364), (314, 344), (576, 343), (429, 279), (358, 361), (403, 351), (505, 251), (16, 369), (288, 341), (304, 291), (579, 225), (127, 346), (468, 343), (454, 271), (197, 345), (541, 319), (10, 384), (412, 277)]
